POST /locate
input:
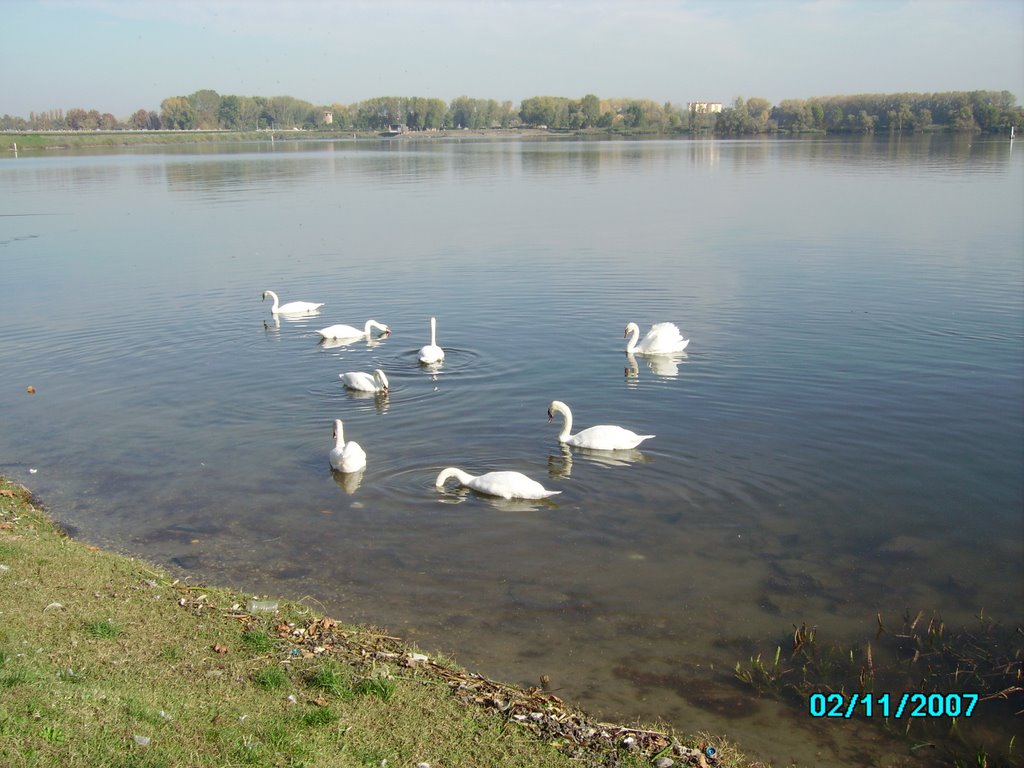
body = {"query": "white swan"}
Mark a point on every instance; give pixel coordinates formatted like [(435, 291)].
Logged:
[(365, 382), (432, 353), (346, 457), (603, 437), (334, 332), (507, 485), (663, 338), (292, 307)]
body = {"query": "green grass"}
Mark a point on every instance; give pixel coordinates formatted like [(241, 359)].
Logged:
[(381, 687), (331, 678), (270, 678), (318, 717), (102, 630), (134, 669), (258, 642)]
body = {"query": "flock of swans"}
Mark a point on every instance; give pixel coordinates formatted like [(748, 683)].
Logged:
[(349, 457)]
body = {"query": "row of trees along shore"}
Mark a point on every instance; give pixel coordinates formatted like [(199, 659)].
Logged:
[(988, 111)]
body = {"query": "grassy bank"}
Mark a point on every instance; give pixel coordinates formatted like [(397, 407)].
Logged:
[(30, 142), (34, 142), (106, 660)]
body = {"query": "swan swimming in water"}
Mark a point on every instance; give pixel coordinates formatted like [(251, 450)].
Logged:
[(432, 353), (365, 382), (507, 485), (334, 332), (292, 307), (663, 338), (346, 457), (603, 437)]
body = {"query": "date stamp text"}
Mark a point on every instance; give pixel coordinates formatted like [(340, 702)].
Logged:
[(897, 706)]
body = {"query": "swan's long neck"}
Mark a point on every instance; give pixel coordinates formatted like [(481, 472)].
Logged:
[(380, 378), (559, 407), (634, 329), (433, 331), (339, 434), (458, 474), (272, 295)]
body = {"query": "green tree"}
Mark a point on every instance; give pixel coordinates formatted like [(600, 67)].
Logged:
[(434, 112), (229, 113), (205, 106), (342, 116), (633, 116), (835, 120), (923, 119), (793, 115), (963, 120), (249, 110), (733, 120), (508, 115), (552, 111), (904, 116), (176, 113), (758, 110), (817, 115), (590, 110)]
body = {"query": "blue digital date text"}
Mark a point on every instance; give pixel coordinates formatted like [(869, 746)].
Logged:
[(897, 706)]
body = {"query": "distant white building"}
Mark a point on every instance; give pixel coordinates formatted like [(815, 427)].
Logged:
[(704, 107), (328, 117)]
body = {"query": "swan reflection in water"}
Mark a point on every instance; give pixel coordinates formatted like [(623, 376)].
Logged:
[(362, 340), (665, 366), (380, 399), (348, 481), (460, 494), (273, 325), (560, 467), (432, 369)]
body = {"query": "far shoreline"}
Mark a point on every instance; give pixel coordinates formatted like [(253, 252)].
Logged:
[(32, 141), (58, 140)]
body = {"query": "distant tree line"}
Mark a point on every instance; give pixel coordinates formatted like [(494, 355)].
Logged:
[(988, 111), (208, 110)]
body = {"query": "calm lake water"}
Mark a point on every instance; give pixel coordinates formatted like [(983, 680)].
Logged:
[(844, 435)]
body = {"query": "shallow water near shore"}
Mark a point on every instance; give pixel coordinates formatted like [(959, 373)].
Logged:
[(842, 437)]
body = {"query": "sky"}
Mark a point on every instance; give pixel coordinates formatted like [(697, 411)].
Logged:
[(120, 56)]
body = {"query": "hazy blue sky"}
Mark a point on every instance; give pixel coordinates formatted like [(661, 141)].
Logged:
[(123, 55)]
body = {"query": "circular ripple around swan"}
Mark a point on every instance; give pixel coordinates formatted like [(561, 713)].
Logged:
[(413, 488), (409, 380)]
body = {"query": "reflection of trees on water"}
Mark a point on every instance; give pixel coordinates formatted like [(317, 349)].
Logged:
[(219, 168)]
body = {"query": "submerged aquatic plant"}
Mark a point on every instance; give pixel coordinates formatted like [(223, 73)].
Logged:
[(922, 661)]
